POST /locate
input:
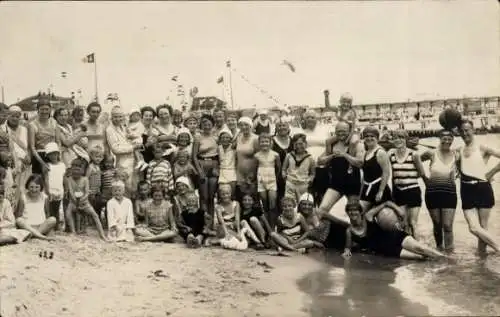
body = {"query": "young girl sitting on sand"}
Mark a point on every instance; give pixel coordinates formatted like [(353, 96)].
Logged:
[(371, 236), (120, 215), (11, 188), (142, 201), (183, 187), (78, 189), (299, 168), (252, 216), (292, 228), (192, 222), (8, 232), (160, 220), (34, 208)]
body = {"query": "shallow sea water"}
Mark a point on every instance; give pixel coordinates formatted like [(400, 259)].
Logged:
[(368, 285)]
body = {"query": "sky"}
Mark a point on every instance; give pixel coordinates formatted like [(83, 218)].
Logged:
[(377, 51)]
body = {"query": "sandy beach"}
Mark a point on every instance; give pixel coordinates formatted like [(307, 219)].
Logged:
[(87, 277)]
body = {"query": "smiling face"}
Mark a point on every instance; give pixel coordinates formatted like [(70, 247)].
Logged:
[(354, 216), (245, 128), (288, 208), (206, 126), (247, 202), (181, 188), (282, 129), (147, 118), (183, 139), (467, 132), (264, 142), (219, 117), (232, 122), (164, 116), (342, 131), (306, 207), (225, 194), (192, 124), (371, 140), (94, 112), (300, 145), (118, 192), (445, 141), (225, 139), (34, 188), (399, 140), (44, 111), (117, 118), (14, 118)]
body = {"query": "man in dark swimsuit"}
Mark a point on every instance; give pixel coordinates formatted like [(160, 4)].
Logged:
[(344, 161)]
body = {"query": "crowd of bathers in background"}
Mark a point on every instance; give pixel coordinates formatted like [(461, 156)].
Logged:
[(220, 179)]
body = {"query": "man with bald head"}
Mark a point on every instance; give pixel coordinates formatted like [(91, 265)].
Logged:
[(344, 160)]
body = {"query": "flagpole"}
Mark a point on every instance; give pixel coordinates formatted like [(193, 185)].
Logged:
[(228, 64), (3, 95), (95, 80)]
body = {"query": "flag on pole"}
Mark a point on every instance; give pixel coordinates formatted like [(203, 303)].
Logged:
[(228, 63), (89, 58), (220, 80), (174, 78)]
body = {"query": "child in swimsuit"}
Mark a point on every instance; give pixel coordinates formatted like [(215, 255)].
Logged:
[(299, 168), (227, 160), (192, 222), (291, 229), (347, 114), (142, 201), (268, 165)]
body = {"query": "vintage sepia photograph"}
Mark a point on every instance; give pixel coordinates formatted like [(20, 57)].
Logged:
[(249, 158)]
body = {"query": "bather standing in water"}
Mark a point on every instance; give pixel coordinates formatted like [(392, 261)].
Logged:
[(475, 189)]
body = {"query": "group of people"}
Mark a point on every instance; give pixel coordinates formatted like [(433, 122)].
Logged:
[(220, 179)]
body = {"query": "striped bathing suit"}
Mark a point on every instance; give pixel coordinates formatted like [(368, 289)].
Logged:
[(441, 192), (406, 190)]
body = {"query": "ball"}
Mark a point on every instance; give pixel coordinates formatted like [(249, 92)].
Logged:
[(450, 118), (387, 219)]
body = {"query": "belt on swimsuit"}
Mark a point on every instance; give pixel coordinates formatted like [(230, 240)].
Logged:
[(371, 184), (474, 182), (208, 158), (407, 187)]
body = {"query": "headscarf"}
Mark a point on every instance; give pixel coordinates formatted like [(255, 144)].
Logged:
[(184, 180), (225, 130), (246, 120)]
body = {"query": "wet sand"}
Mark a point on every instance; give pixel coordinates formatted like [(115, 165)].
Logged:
[(89, 278)]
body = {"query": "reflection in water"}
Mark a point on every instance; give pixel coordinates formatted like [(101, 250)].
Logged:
[(358, 287)]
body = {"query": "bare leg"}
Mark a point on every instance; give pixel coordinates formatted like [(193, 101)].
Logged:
[(330, 198), (413, 220), (412, 245), (258, 229), (249, 232), (48, 225), (91, 212), (165, 236), (282, 242), (212, 190), (307, 244), (484, 216), (273, 212), (437, 226), (5, 240), (476, 229), (448, 216), (69, 217)]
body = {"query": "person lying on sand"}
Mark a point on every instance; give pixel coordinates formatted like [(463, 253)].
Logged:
[(35, 211), (368, 234), (159, 220)]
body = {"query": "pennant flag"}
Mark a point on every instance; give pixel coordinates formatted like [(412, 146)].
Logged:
[(228, 63), (64, 74), (289, 65), (220, 80), (89, 58), (174, 78)]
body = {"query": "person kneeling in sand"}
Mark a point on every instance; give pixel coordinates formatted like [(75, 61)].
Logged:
[(160, 223), (120, 214), (192, 222), (35, 211), (8, 232)]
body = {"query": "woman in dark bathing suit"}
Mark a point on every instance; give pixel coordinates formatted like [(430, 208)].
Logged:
[(369, 235)]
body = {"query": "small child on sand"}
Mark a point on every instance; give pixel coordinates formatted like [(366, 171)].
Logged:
[(120, 215), (78, 189), (8, 232), (192, 222), (160, 220), (142, 202)]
